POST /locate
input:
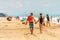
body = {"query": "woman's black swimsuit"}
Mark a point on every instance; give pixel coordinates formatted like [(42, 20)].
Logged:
[(40, 20)]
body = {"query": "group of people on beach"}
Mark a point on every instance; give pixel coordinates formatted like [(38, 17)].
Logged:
[(9, 18), (31, 21)]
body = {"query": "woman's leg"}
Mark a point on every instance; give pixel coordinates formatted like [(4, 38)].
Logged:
[(40, 28)]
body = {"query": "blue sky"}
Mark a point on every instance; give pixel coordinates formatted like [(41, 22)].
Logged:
[(24, 7)]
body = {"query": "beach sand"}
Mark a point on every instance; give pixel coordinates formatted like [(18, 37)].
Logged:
[(15, 30)]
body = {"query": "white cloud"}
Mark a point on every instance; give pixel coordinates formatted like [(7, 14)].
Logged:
[(19, 4), (45, 5)]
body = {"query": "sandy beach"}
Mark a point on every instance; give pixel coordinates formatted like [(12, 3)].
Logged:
[(15, 30)]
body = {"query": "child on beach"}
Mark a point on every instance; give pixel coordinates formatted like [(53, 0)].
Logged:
[(48, 20), (40, 20), (31, 19)]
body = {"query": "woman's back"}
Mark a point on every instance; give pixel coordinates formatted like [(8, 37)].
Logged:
[(40, 19)]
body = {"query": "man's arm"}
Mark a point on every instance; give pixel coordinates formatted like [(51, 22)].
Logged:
[(38, 19), (26, 23), (35, 20)]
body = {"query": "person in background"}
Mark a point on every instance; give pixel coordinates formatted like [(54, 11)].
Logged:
[(51, 18), (17, 18), (58, 20), (31, 21), (9, 18), (48, 20)]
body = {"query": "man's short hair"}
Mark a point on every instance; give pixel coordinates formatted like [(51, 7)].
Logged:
[(31, 13)]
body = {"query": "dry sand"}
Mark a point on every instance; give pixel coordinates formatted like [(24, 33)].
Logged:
[(15, 30)]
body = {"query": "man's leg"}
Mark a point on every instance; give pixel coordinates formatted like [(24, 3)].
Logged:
[(31, 28)]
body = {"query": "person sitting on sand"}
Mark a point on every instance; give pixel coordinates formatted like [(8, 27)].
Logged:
[(31, 19), (48, 20), (9, 18), (40, 20)]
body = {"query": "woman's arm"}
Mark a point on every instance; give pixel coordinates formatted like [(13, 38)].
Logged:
[(38, 19)]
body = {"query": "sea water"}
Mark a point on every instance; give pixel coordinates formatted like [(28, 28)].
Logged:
[(54, 19)]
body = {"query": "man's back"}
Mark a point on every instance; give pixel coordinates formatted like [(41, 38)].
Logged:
[(30, 18)]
